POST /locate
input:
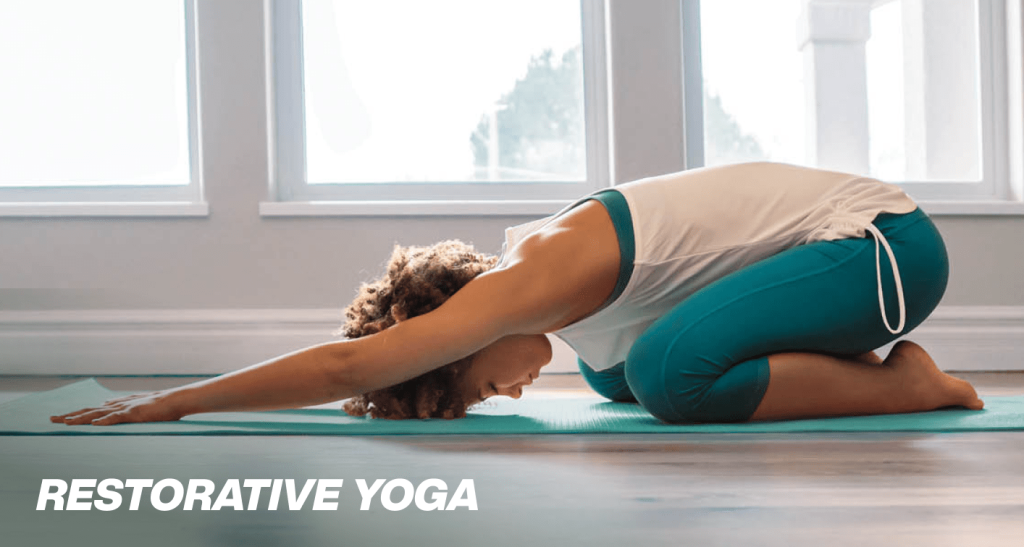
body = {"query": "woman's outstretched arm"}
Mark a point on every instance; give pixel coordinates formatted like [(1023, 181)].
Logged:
[(306, 377), (495, 304)]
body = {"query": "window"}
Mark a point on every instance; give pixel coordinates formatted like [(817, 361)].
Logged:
[(495, 110), (98, 103), (907, 91)]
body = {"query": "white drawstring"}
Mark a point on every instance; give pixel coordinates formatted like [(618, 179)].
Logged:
[(895, 273)]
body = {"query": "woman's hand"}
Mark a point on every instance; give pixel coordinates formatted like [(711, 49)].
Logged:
[(140, 407)]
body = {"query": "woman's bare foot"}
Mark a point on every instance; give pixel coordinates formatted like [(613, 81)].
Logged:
[(931, 387)]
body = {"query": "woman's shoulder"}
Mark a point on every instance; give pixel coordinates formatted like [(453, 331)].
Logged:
[(575, 258)]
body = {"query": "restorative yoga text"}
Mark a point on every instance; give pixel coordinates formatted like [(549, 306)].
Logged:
[(80, 497)]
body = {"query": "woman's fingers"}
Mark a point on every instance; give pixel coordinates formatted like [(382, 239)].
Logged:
[(88, 417), (144, 407), (62, 417), (73, 416)]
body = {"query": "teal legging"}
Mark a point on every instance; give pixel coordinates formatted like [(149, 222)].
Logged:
[(706, 359)]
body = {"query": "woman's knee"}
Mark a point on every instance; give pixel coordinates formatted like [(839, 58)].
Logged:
[(658, 389), (686, 388), (610, 384)]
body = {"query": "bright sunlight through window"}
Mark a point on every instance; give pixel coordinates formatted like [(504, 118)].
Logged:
[(94, 93), (920, 61), (443, 91)]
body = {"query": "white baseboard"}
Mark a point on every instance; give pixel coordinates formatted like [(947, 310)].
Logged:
[(187, 342), (148, 342)]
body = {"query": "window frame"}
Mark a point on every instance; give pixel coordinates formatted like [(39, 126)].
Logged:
[(642, 98), (997, 192), (126, 200), (290, 194)]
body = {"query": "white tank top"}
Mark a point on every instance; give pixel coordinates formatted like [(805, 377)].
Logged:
[(693, 227)]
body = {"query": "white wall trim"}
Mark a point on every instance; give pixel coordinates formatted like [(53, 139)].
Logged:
[(186, 342), (105, 209), (972, 208), (155, 341), (445, 208)]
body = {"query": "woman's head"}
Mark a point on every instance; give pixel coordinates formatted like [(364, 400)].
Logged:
[(505, 367), (417, 281)]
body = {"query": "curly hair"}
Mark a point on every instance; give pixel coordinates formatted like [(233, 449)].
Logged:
[(417, 280)]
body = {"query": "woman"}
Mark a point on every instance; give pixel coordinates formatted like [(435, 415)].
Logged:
[(732, 293)]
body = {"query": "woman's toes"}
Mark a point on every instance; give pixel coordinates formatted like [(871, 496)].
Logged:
[(965, 395)]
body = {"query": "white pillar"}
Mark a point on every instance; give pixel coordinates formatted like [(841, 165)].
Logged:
[(943, 122), (831, 34), (655, 108)]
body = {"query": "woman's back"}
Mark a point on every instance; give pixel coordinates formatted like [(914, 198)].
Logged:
[(693, 227)]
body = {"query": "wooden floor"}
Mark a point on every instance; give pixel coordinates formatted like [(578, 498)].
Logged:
[(964, 489)]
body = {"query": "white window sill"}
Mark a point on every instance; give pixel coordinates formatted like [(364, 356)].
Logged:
[(972, 208), (106, 209), (548, 207), (409, 208)]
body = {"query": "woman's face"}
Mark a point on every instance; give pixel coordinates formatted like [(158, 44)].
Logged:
[(505, 366)]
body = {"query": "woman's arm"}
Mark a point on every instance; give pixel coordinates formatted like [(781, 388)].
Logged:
[(498, 303), (306, 377)]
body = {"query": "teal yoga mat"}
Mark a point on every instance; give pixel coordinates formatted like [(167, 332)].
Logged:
[(29, 415)]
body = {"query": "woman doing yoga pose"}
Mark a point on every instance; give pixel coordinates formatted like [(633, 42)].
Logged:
[(743, 292)]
